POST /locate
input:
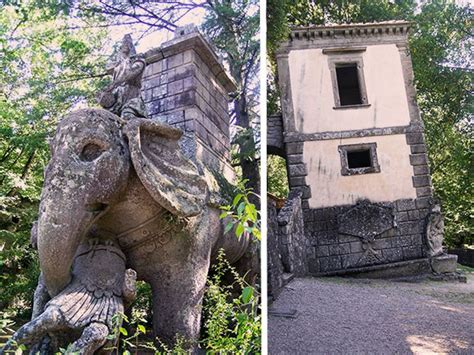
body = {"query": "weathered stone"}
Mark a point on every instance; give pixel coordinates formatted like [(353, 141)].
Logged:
[(293, 251), (123, 95), (443, 264), (420, 181), (405, 205), (418, 159), (415, 138), (298, 170), (423, 191), (365, 220), (417, 148), (421, 170), (435, 232)]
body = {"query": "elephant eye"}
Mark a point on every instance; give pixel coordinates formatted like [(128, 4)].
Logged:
[(90, 152)]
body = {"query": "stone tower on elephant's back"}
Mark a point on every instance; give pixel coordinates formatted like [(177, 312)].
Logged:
[(353, 140), (186, 86)]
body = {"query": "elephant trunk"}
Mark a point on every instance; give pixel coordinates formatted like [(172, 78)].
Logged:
[(64, 220)]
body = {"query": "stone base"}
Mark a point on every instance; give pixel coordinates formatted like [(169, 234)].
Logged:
[(393, 270), (444, 264)]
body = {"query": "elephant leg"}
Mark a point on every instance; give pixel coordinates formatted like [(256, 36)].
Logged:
[(93, 337), (33, 332), (177, 303)]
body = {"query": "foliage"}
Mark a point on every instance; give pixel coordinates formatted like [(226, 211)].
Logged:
[(48, 68), (232, 325), (440, 42), (277, 183), (243, 214)]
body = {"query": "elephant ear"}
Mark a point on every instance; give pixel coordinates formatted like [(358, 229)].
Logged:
[(170, 178)]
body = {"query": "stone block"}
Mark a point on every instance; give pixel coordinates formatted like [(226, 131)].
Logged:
[(322, 250), (297, 181), (421, 180), (384, 243), (417, 239), (423, 191), (326, 238), (308, 216), (294, 148), (175, 60), (444, 263), (295, 158), (401, 241), (356, 247), (392, 254), (405, 205), (339, 249), (401, 217), (423, 202), (298, 170), (305, 191), (412, 252), (412, 227), (189, 83), (415, 138), (413, 215), (330, 263), (418, 159), (331, 224), (313, 266), (159, 92), (418, 148), (421, 170), (176, 87)]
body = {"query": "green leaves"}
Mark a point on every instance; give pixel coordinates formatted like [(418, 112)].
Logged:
[(232, 325), (242, 214)]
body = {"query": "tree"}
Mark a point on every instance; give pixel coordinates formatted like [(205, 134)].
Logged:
[(48, 68), (439, 44)]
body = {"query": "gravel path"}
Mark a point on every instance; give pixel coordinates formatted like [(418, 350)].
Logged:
[(348, 316)]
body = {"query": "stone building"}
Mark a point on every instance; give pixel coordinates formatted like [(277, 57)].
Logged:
[(186, 85), (352, 137)]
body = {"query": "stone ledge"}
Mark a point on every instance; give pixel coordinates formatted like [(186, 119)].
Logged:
[(391, 270)]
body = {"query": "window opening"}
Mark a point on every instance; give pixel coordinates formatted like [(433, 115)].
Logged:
[(348, 84), (359, 159)]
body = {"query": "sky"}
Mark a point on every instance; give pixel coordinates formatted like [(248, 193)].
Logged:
[(154, 39)]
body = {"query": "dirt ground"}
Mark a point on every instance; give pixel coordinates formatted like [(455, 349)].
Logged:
[(359, 316)]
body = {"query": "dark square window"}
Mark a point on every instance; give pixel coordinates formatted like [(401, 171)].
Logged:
[(348, 84), (359, 159)]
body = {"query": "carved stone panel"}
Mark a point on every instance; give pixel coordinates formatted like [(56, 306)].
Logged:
[(366, 221)]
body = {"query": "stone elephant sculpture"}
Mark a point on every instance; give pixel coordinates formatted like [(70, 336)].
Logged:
[(132, 182)]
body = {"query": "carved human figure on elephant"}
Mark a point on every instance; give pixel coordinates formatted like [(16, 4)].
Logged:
[(123, 95)]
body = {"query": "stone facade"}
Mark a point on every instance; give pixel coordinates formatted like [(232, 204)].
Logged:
[(368, 229), (186, 86)]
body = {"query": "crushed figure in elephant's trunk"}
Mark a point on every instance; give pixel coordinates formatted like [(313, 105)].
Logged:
[(101, 288)]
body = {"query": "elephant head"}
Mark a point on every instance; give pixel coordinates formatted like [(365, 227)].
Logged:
[(92, 156)]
